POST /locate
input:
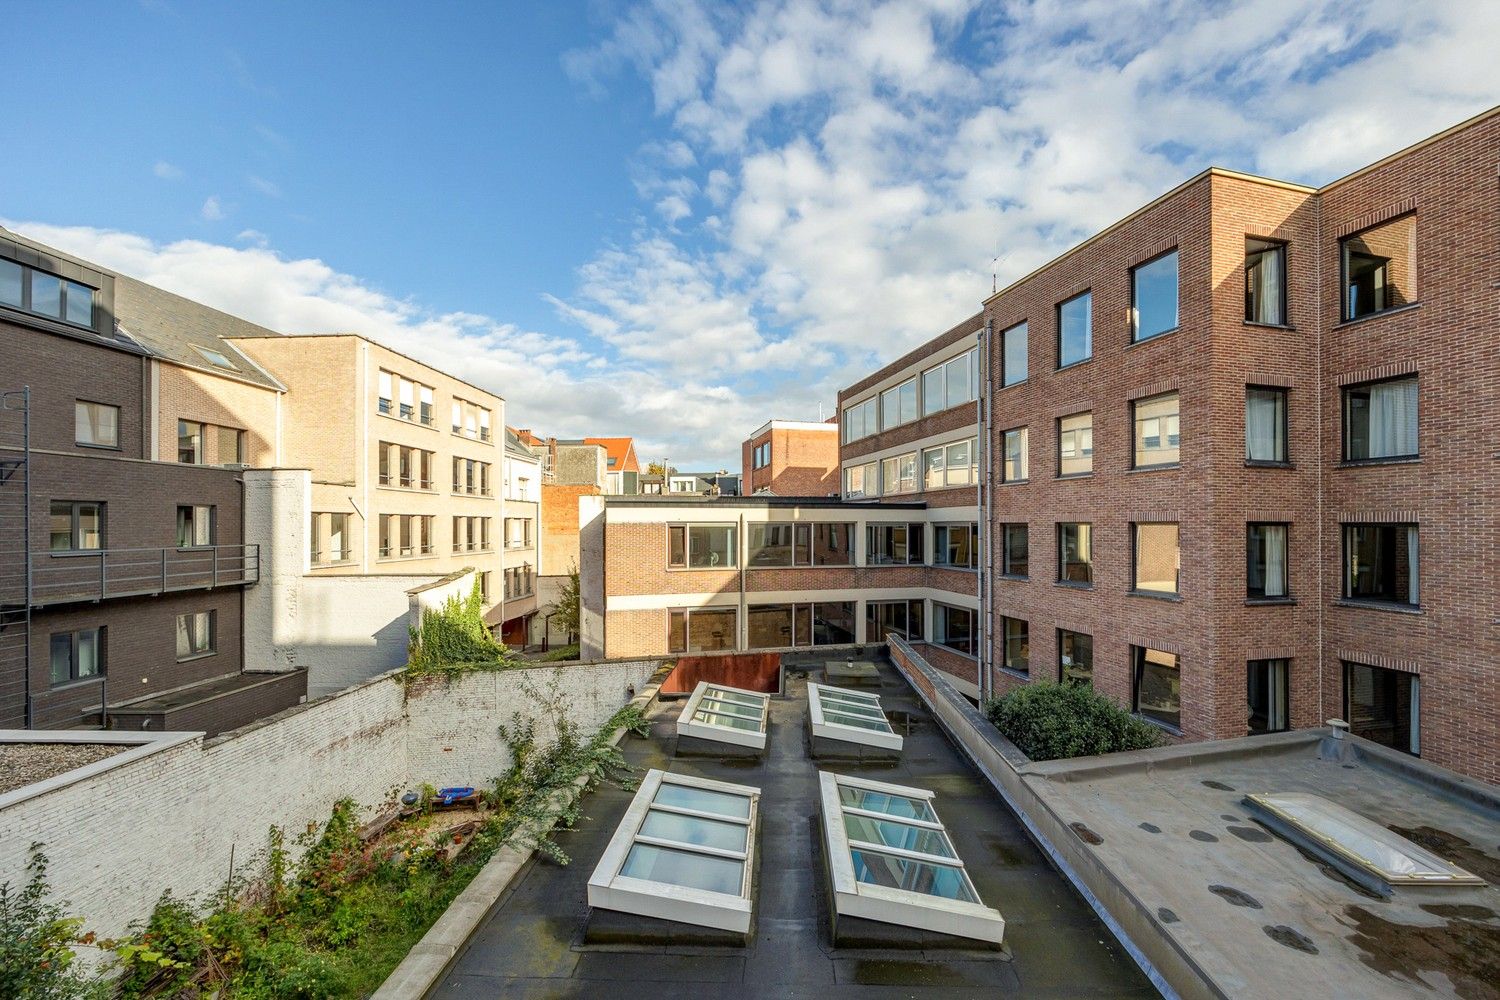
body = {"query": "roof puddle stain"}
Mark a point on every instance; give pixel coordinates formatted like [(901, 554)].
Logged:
[(1292, 938), (1219, 785), (1465, 952), (1151, 828), (1254, 835), (1166, 916), (1453, 848), (1204, 836), (1085, 834), (1234, 896)]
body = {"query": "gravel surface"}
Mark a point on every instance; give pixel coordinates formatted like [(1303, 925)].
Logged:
[(23, 763)]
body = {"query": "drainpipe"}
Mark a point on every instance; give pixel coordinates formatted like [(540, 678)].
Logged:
[(742, 626), (986, 657)]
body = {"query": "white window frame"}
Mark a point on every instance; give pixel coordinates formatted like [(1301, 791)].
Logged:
[(846, 702), (610, 890), (688, 726), (902, 907)]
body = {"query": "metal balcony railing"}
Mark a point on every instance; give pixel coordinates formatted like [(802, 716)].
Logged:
[(102, 574)]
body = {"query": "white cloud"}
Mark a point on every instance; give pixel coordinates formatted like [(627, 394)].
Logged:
[(268, 188), (213, 209), (167, 171)]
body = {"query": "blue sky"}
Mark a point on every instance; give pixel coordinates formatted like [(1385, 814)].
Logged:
[(677, 220)]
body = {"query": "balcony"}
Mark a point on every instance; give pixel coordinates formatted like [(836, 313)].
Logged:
[(105, 574)]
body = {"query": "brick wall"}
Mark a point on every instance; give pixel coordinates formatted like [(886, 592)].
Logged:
[(186, 394)]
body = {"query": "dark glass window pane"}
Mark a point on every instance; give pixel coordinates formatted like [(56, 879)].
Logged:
[(1017, 645), (1265, 425), (1155, 296), (11, 277), (1381, 562), (1380, 268), (1265, 282), (1382, 705), (1015, 357), (1075, 655), (46, 295), (1158, 686), (1266, 695), (1075, 330), (1075, 553), (1016, 560), (61, 650), (80, 308), (770, 626)]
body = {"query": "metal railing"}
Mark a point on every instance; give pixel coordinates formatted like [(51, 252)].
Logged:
[(63, 577)]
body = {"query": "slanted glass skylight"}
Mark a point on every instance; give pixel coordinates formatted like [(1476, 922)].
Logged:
[(891, 860), (216, 358), (725, 715), (684, 851), (851, 716), (1359, 847)]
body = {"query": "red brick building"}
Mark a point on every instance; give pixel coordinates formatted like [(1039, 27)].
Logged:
[(792, 458)]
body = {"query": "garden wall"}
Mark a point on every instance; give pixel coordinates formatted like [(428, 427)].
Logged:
[(172, 819)]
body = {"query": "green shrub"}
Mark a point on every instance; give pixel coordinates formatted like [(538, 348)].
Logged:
[(1048, 721), (561, 653), (37, 939), (455, 639)]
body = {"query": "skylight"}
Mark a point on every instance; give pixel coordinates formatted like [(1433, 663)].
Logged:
[(891, 860), (725, 715), (684, 851), (216, 358), (1361, 848), (851, 716)]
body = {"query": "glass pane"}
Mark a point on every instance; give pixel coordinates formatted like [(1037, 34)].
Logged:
[(703, 800), (730, 708), (723, 694), (958, 380), (90, 526), (829, 695), (891, 834), (80, 304), (1157, 559), (844, 718), (62, 527), (10, 283), (1156, 296), (831, 705), (932, 391), (1015, 354), (892, 805), (695, 871), (62, 658), (709, 718), (46, 294), (695, 831), (913, 876), (1075, 338), (88, 653)]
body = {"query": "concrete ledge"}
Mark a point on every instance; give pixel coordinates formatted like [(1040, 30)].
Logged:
[(141, 745), (430, 958)]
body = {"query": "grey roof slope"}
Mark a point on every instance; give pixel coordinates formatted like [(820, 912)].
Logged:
[(174, 328), (516, 446)]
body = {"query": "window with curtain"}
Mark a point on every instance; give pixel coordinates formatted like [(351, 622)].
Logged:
[(1156, 430), (1014, 356), (76, 526), (1380, 268), (1265, 282), (1266, 696), (194, 527), (1380, 420), (1266, 553), (899, 474), (1075, 330), (1016, 465), (1265, 424), (1383, 706), (96, 424), (195, 634), (1075, 445), (862, 480), (1380, 563), (76, 656)]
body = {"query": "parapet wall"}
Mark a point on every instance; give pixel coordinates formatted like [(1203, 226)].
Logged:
[(174, 818)]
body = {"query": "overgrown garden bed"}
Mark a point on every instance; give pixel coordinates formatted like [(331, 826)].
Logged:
[(1049, 721)]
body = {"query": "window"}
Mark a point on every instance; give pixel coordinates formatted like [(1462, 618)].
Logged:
[(330, 539), (518, 581), (951, 465), (408, 400), (517, 532), (1380, 563), (953, 382), (760, 456), (1383, 706), (1266, 696), (1157, 689), (216, 358), (1075, 657), (1075, 552), (861, 480), (1015, 466), (1013, 355), (789, 544), (833, 623), (470, 420), (77, 526), (725, 714), (386, 379), (406, 535), (1158, 562), (1380, 420), (891, 544), (470, 477), (898, 405), (411, 468), (953, 627), (1017, 654), (484, 586), (1265, 424), (76, 656), (96, 424), (700, 546), (887, 618), (195, 634), (695, 630), (44, 294), (189, 442), (1075, 330), (849, 716), (195, 527), (861, 420), (683, 851), (424, 409), (1154, 297), (1014, 550), (779, 626), (1265, 572), (1075, 445), (1380, 268), (1265, 282), (899, 474), (956, 545), (891, 860), (231, 443), (1156, 430)]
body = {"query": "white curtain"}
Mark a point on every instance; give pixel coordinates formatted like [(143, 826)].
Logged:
[(1268, 286), (1393, 418), (1411, 564), (1275, 542), (1263, 426)]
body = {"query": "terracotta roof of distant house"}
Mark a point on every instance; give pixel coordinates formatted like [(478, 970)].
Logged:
[(529, 438), (619, 453)]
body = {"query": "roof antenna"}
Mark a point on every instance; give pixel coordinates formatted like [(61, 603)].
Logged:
[(994, 275)]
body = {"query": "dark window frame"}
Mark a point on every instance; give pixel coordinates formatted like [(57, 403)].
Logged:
[(1006, 556), (1283, 247), (1135, 552), (1062, 668), (100, 634), (1346, 314), (75, 528), (1062, 561), (1135, 316), (1269, 665), (1344, 420), (1346, 588), (1058, 320), (1414, 703), (1023, 638), (1058, 432), (1138, 663), (1250, 554), (1286, 424), (1135, 430)]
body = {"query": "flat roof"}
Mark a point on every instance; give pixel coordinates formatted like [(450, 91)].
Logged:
[(1260, 915), (532, 944), (756, 500)]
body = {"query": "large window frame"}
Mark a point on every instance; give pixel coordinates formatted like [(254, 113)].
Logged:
[(1373, 566), (861, 420), (862, 480), (898, 474), (1265, 282), (33, 290), (1075, 657), (196, 526), (1267, 571), (1374, 282), (1015, 550), (689, 546), (1015, 351), (1148, 274), (956, 545), (68, 651), (1392, 403), (898, 404), (1075, 553), (1267, 405), (881, 619), (1015, 655), (895, 543), (719, 713), (802, 543), (1399, 689), (723, 624), (1153, 584), (951, 465), (197, 632), (953, 628), (1075, 445), (96, 425), (1267, 697), (1156, 675), (1075, 324), (87, 530), (1152, 421), (1015, 455), (951, 383)]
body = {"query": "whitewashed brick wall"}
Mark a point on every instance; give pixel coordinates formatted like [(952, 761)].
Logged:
[(169, 820)]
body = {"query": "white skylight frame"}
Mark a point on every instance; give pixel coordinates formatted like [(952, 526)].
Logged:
[(610, 889), (1359, 846), (829, 706), (712, 702), (903, 907)]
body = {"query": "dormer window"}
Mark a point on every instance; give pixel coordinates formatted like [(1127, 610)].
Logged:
[(45, 294)]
